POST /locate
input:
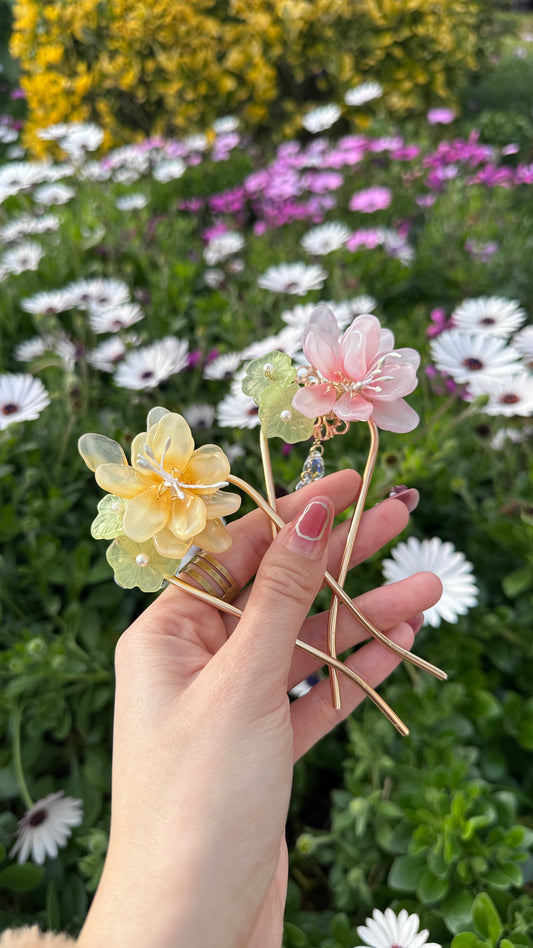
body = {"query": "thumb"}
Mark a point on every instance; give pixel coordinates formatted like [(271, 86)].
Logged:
[(289, 577)]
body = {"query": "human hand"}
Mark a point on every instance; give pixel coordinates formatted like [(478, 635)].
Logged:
[(205, 737)]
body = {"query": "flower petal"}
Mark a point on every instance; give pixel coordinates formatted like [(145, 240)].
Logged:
[(395, 416), (188, 516), (320, 342), (96, 449), (146, 514), (167, 544), (221, 504), (208, 465), (215, 538), (120, 479), (315, 400), (181, 447), (359, 346), (353, 407)]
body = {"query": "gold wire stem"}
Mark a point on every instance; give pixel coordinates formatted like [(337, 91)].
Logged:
[(345, 562), (333, 663), (339, 591), (269, 477)]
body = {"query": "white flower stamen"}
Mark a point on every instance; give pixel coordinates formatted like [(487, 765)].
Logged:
[(149, 462)]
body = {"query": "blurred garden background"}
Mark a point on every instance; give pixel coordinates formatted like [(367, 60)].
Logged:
[(180, 184)]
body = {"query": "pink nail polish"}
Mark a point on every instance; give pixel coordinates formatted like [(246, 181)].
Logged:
[(309, 533), (408, 496)]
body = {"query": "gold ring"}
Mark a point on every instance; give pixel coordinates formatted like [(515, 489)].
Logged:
[(212, 576)]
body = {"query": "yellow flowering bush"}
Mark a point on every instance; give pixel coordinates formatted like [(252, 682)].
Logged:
[(171, 66)]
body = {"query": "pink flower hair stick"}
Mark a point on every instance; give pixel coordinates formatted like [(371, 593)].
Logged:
[(359, 377)]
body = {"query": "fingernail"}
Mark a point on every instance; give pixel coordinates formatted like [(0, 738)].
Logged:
[(408, 496), (416, 622), (309, 534)]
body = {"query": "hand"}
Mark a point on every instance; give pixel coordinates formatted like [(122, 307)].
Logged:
[(205, 737)]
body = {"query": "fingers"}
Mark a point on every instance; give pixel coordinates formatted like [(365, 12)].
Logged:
[(386, 607), (313, 715), (286, 584)]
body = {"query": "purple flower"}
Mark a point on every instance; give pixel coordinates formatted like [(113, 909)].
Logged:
[(440, 116), (371, 199)]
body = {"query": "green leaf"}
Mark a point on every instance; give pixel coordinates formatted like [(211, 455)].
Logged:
[(406, 872), (501, 877), (485, 917), (276, 368), (467, 940), (431, 888), (278, 417), (456, 910), (21, 878), (108, 523), (516, 582)]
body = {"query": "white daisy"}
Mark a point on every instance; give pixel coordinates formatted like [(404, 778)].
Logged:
[(199, 416), (321, 118), (222, 246), (459, 589), (509, 395), (196, 143), (31, 349), (145, 368), (225, 124), (214, 277), (169, 169), (467, 355), (98, 292), (224, 366), (325, 238), (505, 435), (22, 257), (388, 930), (131, 202), (80, 138), (22, 398), (47, 302), (24, 225), (108, 354), (295, 278), (46, 827), (53, 194), (8, 134), (237, 410), (19, 176), (52, 133), (491, 314), (364, 92), (94, 171), (523, 342), (115, 318)]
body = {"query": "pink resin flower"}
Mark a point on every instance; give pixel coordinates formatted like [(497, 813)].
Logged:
[(358, 376)]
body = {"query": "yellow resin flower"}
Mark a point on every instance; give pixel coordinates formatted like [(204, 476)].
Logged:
[(172, 492)]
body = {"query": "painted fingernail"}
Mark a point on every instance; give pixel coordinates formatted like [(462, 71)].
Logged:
[(408, 496), (309, 533), (416, 622)]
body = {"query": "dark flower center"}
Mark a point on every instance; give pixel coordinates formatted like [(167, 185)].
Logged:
[(510, 399), (487, 321), (38, 817), (148, 374), (9, 409), (473, 364)]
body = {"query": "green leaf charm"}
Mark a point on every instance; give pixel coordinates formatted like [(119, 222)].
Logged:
[(276, 368), (139, 564), (108, 523), (279, 419)]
